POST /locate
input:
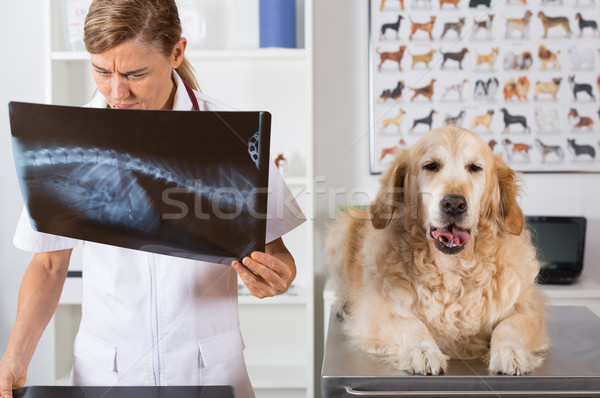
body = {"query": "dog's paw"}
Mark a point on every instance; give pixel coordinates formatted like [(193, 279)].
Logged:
[(341, 309), (512, 359), (425, 359)]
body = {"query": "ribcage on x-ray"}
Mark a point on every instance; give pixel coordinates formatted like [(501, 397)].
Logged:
[(126, 190)]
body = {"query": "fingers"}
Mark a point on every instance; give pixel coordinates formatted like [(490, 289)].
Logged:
[(255, 284), (12, 375), (5, 387), (263, 274)]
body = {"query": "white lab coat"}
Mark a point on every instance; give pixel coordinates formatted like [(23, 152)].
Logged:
[(150, 319)]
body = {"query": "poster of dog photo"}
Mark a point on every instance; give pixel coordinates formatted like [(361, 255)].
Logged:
[(524, 75)]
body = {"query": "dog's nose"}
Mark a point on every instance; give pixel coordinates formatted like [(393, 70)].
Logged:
[(454, 205)]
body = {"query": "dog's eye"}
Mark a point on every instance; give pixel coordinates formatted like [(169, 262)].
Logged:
[(473, 168), (431, 166)]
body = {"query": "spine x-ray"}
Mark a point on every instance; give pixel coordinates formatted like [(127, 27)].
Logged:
[(191, 184)]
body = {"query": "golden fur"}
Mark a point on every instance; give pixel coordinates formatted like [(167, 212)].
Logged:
[(413, 306)]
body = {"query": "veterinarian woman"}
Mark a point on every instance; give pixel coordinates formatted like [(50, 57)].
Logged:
[(147, 319)]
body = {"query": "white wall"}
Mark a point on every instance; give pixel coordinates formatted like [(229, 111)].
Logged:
[(21, 79)]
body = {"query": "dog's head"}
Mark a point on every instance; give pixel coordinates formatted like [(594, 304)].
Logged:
[(447, 187)]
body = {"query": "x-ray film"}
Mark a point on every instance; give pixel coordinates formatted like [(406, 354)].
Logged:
[(181, 183)]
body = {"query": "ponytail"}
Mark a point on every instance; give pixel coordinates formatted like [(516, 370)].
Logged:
[(186, 72)]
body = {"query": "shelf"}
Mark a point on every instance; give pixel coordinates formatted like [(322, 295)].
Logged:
[(584, 288), (280, 377), (258, 53), (217, 55)]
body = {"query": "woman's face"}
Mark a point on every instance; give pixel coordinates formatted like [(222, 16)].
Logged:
[(135, 76)]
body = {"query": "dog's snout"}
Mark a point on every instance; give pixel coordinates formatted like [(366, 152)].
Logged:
[(454, 205)]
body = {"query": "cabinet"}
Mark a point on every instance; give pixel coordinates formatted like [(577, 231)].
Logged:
[(278, 331)]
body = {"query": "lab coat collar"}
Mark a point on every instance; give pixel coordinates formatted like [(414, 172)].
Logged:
[(181, 102)]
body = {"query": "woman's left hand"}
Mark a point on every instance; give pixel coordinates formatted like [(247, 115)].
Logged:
[(267, 274)]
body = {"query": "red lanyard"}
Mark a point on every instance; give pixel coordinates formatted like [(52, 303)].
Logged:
[(190, 92)]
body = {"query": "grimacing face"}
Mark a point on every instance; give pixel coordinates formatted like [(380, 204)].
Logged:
[(133, 75)]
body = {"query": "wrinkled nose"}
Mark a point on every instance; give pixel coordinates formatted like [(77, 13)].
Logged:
[(118, 89), (454, 205)]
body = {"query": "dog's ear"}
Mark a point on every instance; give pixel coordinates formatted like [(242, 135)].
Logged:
[(389, 202), (510, 213)]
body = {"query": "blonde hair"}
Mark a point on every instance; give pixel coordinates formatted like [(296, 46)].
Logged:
[(153, 22)]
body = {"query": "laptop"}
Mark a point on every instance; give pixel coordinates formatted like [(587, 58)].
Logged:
[(186, 184), (560, 243)]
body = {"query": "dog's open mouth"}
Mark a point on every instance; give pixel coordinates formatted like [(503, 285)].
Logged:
[(450, 239)]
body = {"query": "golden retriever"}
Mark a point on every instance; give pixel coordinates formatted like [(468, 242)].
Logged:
[(440, 266)]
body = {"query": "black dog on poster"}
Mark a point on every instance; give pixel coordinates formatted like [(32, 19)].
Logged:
[(393, 26), (579, 150), (476, 3)]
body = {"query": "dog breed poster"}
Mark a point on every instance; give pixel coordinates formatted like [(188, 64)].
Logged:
[(186, 184), (521, 73)]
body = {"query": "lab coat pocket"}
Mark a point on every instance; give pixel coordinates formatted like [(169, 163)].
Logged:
[(94, 362), (220, 348)]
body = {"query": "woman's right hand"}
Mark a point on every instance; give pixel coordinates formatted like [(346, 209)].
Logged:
[(12, 375), (38, 298)]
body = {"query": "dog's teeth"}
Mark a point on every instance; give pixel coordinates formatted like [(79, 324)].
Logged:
[(447, 242)]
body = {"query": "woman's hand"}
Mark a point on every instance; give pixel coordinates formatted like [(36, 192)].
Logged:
[(267, 274), (12, 375), (38, 298)]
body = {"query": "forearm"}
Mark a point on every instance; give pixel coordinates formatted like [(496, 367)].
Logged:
[(38, 298)]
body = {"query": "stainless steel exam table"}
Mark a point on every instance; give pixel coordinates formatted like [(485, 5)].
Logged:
[(571, 367)]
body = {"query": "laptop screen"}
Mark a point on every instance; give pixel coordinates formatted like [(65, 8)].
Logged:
[(560, 243)]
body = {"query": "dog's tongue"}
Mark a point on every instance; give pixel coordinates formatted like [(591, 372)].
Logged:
[(453, 233)]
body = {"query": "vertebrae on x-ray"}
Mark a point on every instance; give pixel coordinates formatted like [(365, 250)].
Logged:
[(112, 175)]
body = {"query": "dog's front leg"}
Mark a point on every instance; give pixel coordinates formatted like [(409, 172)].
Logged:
[(516, 344), (417, 351)]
